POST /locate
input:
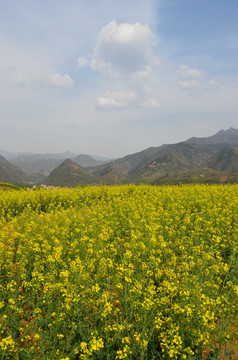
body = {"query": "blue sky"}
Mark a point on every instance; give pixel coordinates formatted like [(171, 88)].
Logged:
[(111, 77)]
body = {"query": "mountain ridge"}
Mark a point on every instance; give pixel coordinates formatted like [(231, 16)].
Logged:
[(218, 152), (150, 164)]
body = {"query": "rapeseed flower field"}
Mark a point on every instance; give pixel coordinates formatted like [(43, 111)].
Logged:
[(122, 272)]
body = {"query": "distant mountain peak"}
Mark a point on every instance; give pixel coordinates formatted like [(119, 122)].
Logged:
[(229, 136), (69, 162), (231, 130)]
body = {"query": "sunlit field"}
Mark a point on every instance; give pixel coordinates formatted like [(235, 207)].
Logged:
[(122, 272)]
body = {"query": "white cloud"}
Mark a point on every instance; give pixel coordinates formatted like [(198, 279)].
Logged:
[(152, 103), (189, 84), (119, 100), (195, 80), (45, 78), (124, 49), (186, 73), (125, 54), (116, 100), (211, 84), (82, 62), (55, 79)]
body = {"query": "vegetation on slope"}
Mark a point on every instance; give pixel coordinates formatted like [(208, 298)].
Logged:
[(69, 174), (7, 186)]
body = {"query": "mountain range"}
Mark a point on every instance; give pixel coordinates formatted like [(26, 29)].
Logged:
[(37, 167), (207, 159)]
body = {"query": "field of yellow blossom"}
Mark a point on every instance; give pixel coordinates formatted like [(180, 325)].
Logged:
[(122, 272)]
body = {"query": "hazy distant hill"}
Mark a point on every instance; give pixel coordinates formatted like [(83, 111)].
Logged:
[(9, 156), (39, 166), (87, 161), (197, 159), (31, 164), (11, 173), (69, 174)]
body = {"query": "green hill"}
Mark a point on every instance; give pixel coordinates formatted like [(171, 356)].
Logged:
[(10, 173), (69, 174)]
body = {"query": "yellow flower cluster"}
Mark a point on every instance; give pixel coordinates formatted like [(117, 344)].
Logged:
[(121, 272)]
